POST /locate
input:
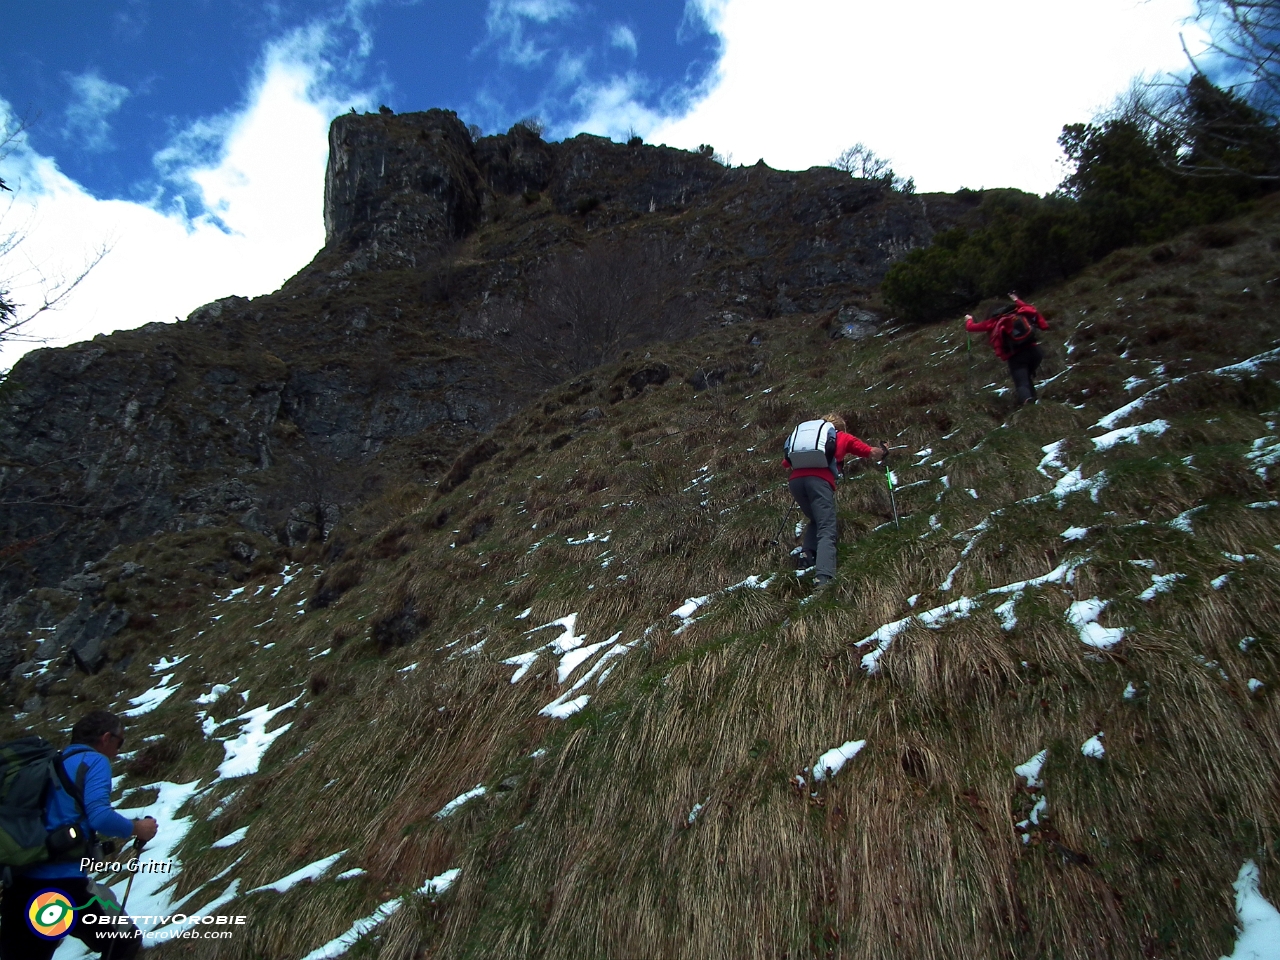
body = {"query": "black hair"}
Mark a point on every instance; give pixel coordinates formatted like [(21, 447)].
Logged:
[(90, 728), (999, 309)]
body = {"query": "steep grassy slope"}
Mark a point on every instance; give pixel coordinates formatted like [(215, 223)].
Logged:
[(1099, 569)]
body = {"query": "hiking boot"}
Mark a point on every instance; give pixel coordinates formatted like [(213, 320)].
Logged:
[(821, 583), (804, 560)]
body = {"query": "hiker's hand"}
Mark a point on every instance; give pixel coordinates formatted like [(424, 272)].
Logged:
[(1013, 295), (145, 829), (879, 453), (968, 317)]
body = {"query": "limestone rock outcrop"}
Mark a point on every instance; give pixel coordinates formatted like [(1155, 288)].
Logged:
[(274, 415)]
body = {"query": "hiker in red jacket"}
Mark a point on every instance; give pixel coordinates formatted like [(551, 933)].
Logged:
[(814, 489), (1011, 331)]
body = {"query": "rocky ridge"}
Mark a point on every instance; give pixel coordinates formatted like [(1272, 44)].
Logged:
[(272, 416)]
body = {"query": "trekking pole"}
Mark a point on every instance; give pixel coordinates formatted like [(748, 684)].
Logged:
[(777, 537), (888, 479), (137, 849), (968, 349)]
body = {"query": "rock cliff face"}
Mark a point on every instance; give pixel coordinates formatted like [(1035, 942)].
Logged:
[(404, 188), (272, 416), (404, 184)]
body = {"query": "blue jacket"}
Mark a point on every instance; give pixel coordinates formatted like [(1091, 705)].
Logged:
[(62, 810)]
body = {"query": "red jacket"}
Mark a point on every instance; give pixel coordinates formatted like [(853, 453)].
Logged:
[(995, 327), (846, 443)]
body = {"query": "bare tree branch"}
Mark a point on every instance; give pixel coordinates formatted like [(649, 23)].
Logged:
[(1223, 130), (861, 161), (1246, 35), (51, 291)]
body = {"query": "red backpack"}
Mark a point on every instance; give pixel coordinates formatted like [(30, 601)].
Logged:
[(1019, 331)]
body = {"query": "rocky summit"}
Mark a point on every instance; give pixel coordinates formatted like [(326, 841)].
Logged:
[(367, 368), (448, 592), (369, 357)]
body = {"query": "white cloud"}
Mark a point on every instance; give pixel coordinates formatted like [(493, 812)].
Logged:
[(507, 23), (700, 16), (95, 100), (613, 108), (956, 94), (257, 172), (622, 37)]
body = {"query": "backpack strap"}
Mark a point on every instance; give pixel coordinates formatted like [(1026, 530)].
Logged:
[(74, 790)]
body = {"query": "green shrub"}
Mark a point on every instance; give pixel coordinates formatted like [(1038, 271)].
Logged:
[(1139, 177), (1021, 242)]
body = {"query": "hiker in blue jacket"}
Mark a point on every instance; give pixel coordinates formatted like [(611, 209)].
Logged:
[(96, 740)]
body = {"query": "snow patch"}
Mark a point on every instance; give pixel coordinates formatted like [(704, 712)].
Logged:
[(245, 752), (340, 945), (574, 658), (1075, 482), (1030, 771), (1265, 453), (933, 619), (1160, 583), (152, 893), (456, 802), (1083, 615), (1259, 921), (1182, 521), (231, 839), (312, 871), (589, 538), (560, 708), (831, 762), (148, 700), (563, 706), (1115, 416), (690, 607), (523, 662), (1130, 434)]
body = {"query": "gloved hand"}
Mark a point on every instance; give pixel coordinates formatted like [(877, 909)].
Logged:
[(145, 829)]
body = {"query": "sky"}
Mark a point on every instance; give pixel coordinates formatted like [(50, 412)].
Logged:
[(185, 140)]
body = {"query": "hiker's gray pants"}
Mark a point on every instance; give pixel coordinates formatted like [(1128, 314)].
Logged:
[(818, 502), (1022, 367)]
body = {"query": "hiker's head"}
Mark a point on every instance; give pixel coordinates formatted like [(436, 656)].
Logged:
[(997, 310), (99, 729), (836, 421)]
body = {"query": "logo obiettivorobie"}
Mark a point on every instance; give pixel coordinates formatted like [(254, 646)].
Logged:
[(51, 914)]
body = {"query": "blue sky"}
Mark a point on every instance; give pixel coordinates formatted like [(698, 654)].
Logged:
[(188, 137), (127, 95)]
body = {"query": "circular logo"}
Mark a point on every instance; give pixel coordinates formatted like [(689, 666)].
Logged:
[(51, 914)]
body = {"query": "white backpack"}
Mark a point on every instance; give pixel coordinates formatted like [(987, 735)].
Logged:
[(811, 444)]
